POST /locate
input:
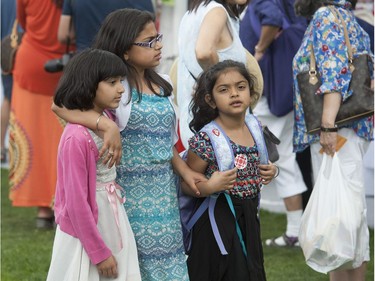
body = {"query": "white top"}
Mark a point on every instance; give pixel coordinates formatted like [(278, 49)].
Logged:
[(188, 34)]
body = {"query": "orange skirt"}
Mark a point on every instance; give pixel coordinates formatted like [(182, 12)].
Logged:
[(34, 135)]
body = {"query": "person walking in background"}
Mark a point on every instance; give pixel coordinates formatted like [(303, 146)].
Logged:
[(273, 33), (81, 20), (223, 94), (147, 121), (34, 129), (208, 34), (334, 91), (8, 15), (94, 240)]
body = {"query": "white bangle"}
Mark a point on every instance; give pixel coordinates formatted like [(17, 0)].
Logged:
[(97, 122), (277, 172)]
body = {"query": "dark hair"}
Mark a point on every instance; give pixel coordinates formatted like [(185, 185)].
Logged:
[(117, 35), (201, 111), (307, 8), (234, 11), (79, 82)]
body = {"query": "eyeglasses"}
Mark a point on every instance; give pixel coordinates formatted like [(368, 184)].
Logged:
[(152, 43)]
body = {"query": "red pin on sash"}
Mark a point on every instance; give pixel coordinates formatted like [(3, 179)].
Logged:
[(216, 132)]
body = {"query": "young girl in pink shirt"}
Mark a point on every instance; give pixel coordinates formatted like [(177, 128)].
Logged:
[(94, 240)]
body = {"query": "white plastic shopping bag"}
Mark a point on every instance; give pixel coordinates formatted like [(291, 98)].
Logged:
[(334, 221)]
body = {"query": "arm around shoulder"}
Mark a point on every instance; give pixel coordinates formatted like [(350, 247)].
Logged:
[(107, 129), (86, 118)]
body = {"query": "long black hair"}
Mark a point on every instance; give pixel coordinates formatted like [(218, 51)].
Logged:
[(79, 82), (117, 34), (234, 11), (202, 112)]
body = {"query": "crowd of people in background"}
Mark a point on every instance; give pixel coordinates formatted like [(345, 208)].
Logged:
[(97, 147)]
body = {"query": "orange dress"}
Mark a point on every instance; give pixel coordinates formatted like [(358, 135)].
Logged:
[(35, 130)]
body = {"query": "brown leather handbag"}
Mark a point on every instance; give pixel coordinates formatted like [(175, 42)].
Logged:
[(9, 46), (359, 105)]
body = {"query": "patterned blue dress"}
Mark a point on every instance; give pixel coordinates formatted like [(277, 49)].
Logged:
[(147, 176)]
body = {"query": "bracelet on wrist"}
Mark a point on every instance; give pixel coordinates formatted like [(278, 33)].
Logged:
[(277, 172), (97, 122), (258, 50), (329, 130)]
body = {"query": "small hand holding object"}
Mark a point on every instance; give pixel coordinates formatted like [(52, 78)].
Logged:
[(108, 267), (328, 141), (268, 172), (331, 142)]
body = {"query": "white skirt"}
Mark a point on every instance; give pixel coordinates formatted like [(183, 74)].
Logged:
[(70, 261)]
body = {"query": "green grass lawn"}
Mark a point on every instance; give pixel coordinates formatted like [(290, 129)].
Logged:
[(26, 251)]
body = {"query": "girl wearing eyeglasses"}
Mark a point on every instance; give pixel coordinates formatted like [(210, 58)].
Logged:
[(147, 121)]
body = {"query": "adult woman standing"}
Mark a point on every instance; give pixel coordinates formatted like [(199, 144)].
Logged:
[(326, 37), (34, 130), (209, 33)]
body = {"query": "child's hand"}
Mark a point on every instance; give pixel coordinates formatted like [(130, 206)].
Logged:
[(108, 267), (191, 178), (220, 181), (268, 172), (111, 142)]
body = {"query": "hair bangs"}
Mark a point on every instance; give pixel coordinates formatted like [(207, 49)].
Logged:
[(110, 68)]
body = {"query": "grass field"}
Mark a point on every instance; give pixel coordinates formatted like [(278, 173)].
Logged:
[(26, 251)]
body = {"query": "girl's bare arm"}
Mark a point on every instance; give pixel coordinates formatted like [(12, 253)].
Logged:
[(219, 181), (190, 177), (105, 126)]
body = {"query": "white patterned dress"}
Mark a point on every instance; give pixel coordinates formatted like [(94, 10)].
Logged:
[(69, 260), (147, 176)]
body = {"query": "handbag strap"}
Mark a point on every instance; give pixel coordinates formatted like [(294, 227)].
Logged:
[(339, 18), (14, 35), (312, 72)]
